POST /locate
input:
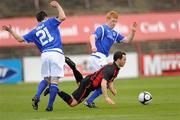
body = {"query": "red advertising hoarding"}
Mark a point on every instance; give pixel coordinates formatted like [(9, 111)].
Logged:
[(76, 29), (160, 64)]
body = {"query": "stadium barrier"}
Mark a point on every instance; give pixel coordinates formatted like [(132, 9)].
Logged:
[(147, 65), (151, 26), (160, 64), (32, 67), (10, 71)]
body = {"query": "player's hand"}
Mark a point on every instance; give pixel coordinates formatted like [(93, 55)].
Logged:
[(7, 28), (94, 49), (134, 26), (109, 101), (54, 4)]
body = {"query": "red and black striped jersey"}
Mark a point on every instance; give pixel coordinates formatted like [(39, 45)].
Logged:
[(109, 72)]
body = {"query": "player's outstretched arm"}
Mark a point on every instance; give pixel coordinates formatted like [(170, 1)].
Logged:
[(131, 35), (13, 33), (92, 42), (104, 92), (112, 88), (61, 14)]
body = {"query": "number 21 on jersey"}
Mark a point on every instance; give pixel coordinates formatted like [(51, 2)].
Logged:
[(44, 36)]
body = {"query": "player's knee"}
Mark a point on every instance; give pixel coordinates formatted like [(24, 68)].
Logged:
[(48, 79), (55, 80), (73, 103)]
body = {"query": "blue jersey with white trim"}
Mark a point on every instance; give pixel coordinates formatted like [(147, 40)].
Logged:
[(46, 35), (105, 38)]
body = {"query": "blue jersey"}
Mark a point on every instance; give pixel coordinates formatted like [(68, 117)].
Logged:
[(46, 35), (105, 38)]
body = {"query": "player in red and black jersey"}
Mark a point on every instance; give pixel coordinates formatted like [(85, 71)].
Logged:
[(103, 79), (100, 79)]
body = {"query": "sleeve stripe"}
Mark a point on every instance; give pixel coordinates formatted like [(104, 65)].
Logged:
[(57, 19), (102, 32), (116, 38), (124, 39), (24, 39)]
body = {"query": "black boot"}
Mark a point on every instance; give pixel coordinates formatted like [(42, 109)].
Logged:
[(78, 76), (71, 64), (35, 101)]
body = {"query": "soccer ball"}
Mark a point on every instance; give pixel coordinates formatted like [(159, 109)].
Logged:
[(145, 98)]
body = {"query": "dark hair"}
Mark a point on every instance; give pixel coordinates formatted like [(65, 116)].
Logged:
[(118, 55), (41, 15)]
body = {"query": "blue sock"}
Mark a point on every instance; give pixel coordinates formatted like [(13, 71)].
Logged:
[(41, 87), (53, 93), (94, 95)]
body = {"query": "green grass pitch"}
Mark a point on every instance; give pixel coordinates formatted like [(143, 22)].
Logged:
[(15, 102)]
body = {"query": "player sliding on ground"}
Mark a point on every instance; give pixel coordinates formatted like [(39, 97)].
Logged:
[(100, 79)]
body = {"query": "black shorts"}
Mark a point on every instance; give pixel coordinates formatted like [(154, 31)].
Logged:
[(83, 90)]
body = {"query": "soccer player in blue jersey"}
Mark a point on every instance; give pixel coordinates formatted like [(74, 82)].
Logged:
[(47, 38), (101, 42)]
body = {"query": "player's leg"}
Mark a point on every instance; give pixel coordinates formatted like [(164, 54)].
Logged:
[(95, 64), (43, 84), (79, 94), (67, 98), (56, 61), (53, 92), (78, 76), (90, 101)]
